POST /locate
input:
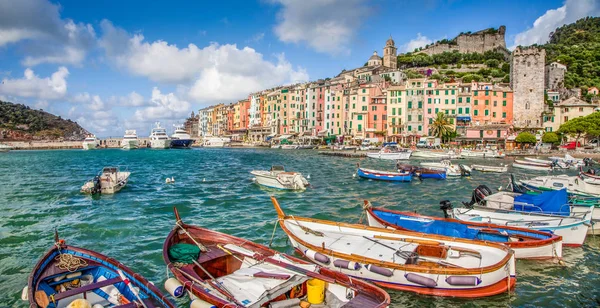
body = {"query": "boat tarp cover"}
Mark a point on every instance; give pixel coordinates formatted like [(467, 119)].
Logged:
[(438, 227), (552, 202), (184, 253)]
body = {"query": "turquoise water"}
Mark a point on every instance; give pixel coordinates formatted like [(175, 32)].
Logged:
[(39, 191)]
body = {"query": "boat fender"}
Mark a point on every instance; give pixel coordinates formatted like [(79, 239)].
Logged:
[(198, 303), (351, 265), (174, 287), (97, 306), (463, 280), (317, 256), (418, 279), (379, 270), (25, 294)]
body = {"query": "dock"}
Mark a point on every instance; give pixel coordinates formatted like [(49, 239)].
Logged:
[(342, 153)]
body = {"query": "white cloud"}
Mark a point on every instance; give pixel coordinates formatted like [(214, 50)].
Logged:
[(42, 104), (162, 107), (132, 99), (237, 71), (256, 38), (32, 86), (327, 26), (93, 102), (46, 37), (571, 11), (99, 122), (419, 41)]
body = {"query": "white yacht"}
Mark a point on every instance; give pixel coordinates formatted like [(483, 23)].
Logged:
[(5, 148), (180, 138), (130, 140), (90, 142), (159, 138)]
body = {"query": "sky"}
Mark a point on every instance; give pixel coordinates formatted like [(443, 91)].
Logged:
[(115, 65)]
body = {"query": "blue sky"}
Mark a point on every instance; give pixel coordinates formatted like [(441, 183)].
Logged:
[(112, 65)]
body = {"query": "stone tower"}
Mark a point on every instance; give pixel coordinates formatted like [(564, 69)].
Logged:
[(527, 81), (555, 76), (390, 54)]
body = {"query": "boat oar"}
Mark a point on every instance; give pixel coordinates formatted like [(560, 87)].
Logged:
[(131, 288)]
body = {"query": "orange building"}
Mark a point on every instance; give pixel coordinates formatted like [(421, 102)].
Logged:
[(492, 106)]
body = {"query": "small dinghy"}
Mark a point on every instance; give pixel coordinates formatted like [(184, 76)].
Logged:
[(384, 175), (278, 178), (68, 276), (227, 271), (403, 260), (546, 211), (109, 181), (450, 168), (527, 244), (496, 169)]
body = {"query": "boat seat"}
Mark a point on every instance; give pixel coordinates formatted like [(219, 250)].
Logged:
[(87, 288)]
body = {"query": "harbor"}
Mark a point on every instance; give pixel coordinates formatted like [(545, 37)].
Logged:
[(212, 186)]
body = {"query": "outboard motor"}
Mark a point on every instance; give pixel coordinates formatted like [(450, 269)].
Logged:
[(587, 161), (97, 185), (478, 196), (446, 207), (464, 171)]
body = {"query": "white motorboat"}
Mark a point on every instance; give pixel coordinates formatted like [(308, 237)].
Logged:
[(90, 143), (392, 152), (289, 146), (403, 260), (484, 168), (5, 147), (159, 138), (450, 168), (434, 154), (277, 177), (181, 139), (539, 161), (546, 211), (592, 176), (215, 142), (569, 160), (487, 153), (554, 163), (130, 140), (109, 181), (523, 164)]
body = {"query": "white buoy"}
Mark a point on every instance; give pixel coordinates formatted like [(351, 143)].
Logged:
[(167, 181), (172, 180), (308, 177), (198, 303), (174, 287), (203, 180)]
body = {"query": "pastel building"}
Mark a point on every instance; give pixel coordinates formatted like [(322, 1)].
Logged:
[(440, 98), (492, 105), (377, 117), (567, 110)]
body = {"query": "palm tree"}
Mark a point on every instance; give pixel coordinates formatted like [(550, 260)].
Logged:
[(440, 126)]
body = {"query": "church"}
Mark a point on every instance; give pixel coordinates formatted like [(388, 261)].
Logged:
[(389, 56)]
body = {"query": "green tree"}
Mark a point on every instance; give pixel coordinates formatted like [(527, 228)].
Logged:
[(492, 63), (550, 137), (525, 137), (575, 127), (441, 126)]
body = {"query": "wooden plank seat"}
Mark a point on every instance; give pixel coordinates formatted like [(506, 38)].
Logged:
[(87, 288)]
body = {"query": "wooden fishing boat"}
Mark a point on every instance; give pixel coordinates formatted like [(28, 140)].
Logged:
[(68, 275), (527, 244), (403, 260), (227, 271), (523, 164), (484, 168), (384, 175), (548, 211)]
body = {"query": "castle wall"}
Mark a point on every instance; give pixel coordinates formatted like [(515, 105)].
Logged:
[(478, 42), (527, 81)]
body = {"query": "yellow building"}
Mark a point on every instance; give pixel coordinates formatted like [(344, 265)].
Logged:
[(567, 110)]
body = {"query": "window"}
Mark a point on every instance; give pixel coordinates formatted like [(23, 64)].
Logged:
[(360, 127), (430, 121), (580, 108), (452, 101), (504, 103), (475, 93), (495, 103), (364, 108), (437, 92), (436, 110), (364, 99), (504, 94), (364, 90), (487, 112), (460, 99), (420, 105), (481, 134), (353, 106), (429, 111), (375, 118), (475, 112), (420, 128), (446, 92), (459, 110), (487, 92), (420, 117), (487, 102), (468, 100), (409, 117), (504, 115), (429, 100), (409, 105), (409, 128), (475, 102), (393, 111), (566, 118), (493, 114), (446, 101), (359, 117), (466, 110)]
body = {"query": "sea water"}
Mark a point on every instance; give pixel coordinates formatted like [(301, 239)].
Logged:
[(39, 191)]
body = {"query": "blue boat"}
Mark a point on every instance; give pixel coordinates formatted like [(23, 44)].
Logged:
[(384, 175), (181, 139), (527, 243)]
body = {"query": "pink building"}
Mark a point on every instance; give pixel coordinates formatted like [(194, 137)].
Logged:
[(377, 118)]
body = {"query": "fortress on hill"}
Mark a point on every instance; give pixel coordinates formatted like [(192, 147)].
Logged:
[(479, 42)]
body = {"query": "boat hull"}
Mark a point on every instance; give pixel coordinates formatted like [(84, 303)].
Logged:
[(496, 169), (181, 143), (572, 230), (390, 156), (384, 175), (547, 247), (90, 145), (160, 143), (532, 167), (271, 180), (130, 144)]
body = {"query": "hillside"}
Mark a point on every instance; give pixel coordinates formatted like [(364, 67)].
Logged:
[(19, 122), (577, 45)]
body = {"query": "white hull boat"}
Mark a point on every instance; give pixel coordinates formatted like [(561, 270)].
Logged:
[(539, 161), (404, 260), (552, 213), (573, 184), (109, 181), (482, 154), (432, 154), (589, 177), (531, 166), (278, 178), (216, 142), (90, 143), (289, 147), (495, 169), (450, 168), (159, 138), (391, 153), (130, 140)]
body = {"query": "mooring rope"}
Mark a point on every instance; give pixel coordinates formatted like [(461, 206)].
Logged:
[(69, 262)]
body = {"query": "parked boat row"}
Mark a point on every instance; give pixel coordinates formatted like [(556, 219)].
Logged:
[(158, 139)]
